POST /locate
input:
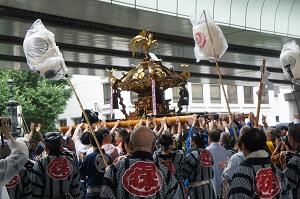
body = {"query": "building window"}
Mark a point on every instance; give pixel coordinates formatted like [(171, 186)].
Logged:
[(133, 97), (62, 123), (77, 120), (248, 95), (106, 93), (197, 93), (215, 94), (232, 94), (277, 118), (175, 91), (265, 97)]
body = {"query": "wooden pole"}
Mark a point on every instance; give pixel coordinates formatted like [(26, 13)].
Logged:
[(261, 86), (64, 68), (220, 75), (129, 123)]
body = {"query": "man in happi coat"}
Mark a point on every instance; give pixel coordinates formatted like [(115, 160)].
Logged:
[(197, 168), (171, 159), (92, 168), (19, 187), (138, 176), (56, 175), (256, 177)]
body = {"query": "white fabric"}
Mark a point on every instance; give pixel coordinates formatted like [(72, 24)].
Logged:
[(12, 164), (258, 154), (4, 194), (41, 52), (203, 46), (233, 164)]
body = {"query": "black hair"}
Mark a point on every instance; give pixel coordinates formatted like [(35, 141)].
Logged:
[(198, 137), (123, 133), (253, 140), (100, 134), (53, 142), (166, 141), (85, 138), (214, 136), (294, 132)]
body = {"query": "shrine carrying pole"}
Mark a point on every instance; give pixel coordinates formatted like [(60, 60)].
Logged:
[(220, 75)]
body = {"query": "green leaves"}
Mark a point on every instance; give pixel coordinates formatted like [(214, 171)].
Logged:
[(42, 100)]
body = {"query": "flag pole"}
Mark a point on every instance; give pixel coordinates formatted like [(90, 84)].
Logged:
[(220, 75), (261, 85), (64, 68)]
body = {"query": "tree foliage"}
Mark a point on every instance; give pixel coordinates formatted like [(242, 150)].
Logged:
[(41, 99)]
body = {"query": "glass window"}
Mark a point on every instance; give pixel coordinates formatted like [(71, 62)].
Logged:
[(248, 95), (175, 91), (62, 123), (197, 93), (77, 120), (265, 97), (133, 96), (232, 94), (215, 94), (277, 118), (106, 93)]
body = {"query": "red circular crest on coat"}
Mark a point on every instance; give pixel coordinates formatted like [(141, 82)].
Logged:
[(13, 182), (267, 183), (200, 39), (169, 165), (205, 158), (59, 168), (142, 179)]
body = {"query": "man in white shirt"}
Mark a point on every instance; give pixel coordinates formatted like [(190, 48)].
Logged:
[(220, 155)]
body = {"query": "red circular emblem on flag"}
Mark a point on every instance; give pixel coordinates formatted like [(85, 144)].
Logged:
[(142, 179), (13, 182), (267, 183), (59, 168), (169, 165), (200, 39), (205, 158)]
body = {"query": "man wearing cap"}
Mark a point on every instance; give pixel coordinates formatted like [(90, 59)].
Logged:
[(56, 175), (138, 176), (197, 168), (92, 168)]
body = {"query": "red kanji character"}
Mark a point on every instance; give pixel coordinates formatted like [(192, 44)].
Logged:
[(142, 179), (267, 183), (200, 39), (205, 158), (59, 168)]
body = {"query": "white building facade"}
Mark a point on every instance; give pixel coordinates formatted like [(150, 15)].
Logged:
[(95, 90)]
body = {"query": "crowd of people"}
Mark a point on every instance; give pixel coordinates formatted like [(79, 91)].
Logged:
[(203, 157)]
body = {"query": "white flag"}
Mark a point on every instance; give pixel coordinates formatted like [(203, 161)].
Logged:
[(203, 46), (42, 54)]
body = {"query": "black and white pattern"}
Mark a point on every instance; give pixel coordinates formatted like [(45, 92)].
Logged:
[(194, 171), (44, 186), (292, 173), (251, 179), (140, 164)]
